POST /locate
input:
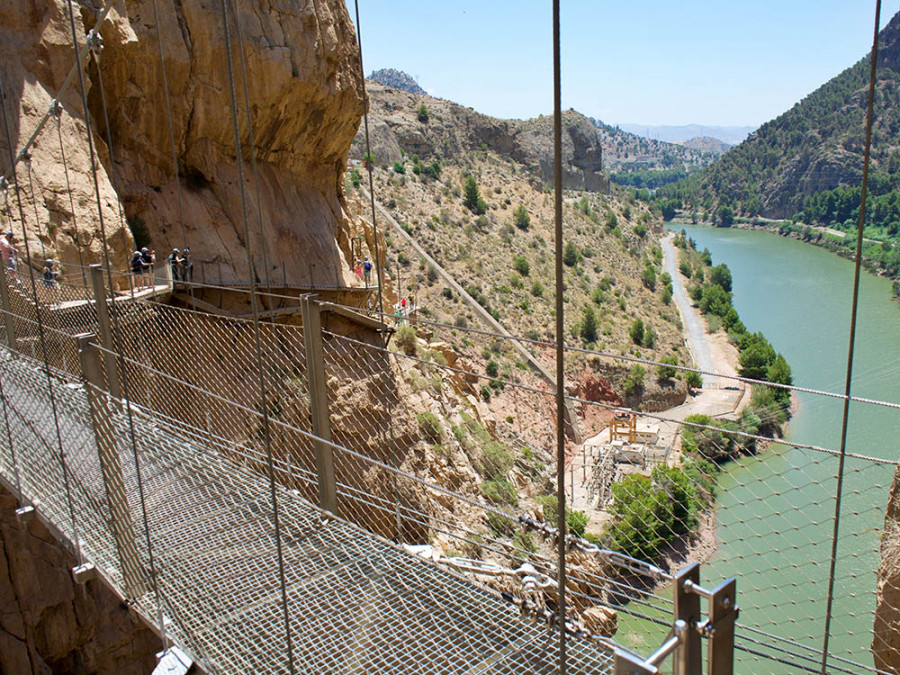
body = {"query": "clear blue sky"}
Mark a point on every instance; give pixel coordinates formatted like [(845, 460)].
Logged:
[(709, 62)]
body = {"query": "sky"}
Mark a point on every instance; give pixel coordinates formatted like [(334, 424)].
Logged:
[(711, 62)]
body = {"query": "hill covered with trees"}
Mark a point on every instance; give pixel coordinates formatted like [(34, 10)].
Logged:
[(809, 160)]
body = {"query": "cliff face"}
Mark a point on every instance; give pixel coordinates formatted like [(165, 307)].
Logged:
[(452, 130), (303, 90), (886, 639), (48, 623)]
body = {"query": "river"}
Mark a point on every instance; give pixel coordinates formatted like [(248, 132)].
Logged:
[(776, 511)]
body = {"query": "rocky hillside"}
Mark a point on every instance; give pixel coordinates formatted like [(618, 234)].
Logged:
[(300, 64), (707, 144), (625, 152), (397, 79), (406, 124), (814, 147), (499, 245)]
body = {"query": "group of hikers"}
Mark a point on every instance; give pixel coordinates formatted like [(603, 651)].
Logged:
[(143, 262), (10, 258)]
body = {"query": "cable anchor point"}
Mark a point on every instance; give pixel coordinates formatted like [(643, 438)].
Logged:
[(55, 109)]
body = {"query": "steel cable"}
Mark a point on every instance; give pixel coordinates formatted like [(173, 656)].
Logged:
[(254, 301)]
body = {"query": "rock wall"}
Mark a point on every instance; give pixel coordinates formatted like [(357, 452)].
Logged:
[(886, 638), (302, 84), (48, 623)]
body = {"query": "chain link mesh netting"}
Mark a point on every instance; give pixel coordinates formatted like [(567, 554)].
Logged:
[(419, 459)]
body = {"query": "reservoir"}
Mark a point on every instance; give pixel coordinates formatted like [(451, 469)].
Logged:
[(775, 513)]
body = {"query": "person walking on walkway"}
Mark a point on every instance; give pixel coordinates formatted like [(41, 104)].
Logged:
[(8, 251), (175, 262), (149, 259), (138, 270), (187, 265), (367, 270)]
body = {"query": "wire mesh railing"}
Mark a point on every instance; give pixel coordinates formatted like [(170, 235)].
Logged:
[(420, 458)]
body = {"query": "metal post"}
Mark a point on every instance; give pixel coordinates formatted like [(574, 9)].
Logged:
[(111, 467), (689, 656), (723, 613), (106, 338), (318, 396), (8, 321)]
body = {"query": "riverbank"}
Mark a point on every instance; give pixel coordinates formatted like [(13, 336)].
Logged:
[(885, 264)]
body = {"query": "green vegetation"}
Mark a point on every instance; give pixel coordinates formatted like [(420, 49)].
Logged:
[(636, 332), (576, 521), (634, 384), (472, 198), (666, 372), (652, 511), (521, 265), (422, 113), (355, 178), (431, 428), (571, 254), (648, 179), (406, 339), (589, 326), (521, 218), (399, 167)]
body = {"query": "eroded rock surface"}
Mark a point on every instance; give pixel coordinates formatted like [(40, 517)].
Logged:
[(303, 90), (48, 623)]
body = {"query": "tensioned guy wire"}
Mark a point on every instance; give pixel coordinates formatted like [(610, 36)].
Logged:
[(114, 315), (254, 302), (852, 343), (40, 323), (370, 168)]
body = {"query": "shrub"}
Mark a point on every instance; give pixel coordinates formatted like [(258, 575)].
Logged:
[(521, 218), (589, 326), (407, 340), (636, 332), (399, 167), (640, 230), (485, 392), (495, 460), (649, 339), (576, 521), (571, 256), (537, 289), (666, 295), (499, 491), (432, 170), (492, 368), (648, 277), (693, 379), (431, 428), (666, 372), (422, 113), (634, 384), (521, 265), (472, 198), (355, 178)]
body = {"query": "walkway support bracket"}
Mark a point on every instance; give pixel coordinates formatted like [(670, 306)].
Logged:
[(121, 522), (318, 400), (689, 658), (9, 322), (684, 640), (98, 284)]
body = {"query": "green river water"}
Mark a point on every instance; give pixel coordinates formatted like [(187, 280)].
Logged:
[(775, 512)]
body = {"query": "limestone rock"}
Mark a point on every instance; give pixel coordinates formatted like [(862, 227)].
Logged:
[(600, 620), (886, 639), (50, 624), (302, 83)]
